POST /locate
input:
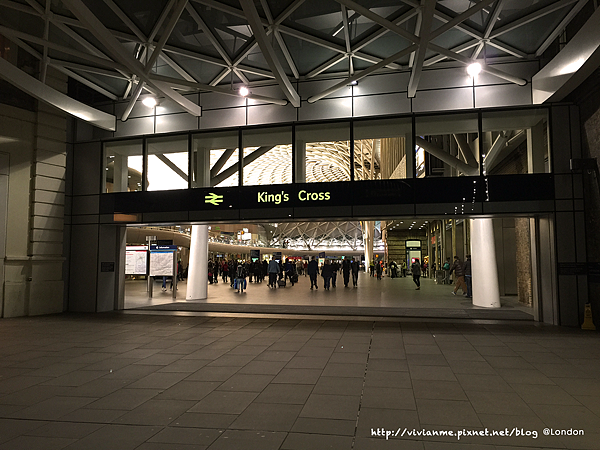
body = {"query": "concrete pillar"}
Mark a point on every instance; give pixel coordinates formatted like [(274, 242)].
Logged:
[(197, 282), (486, 292), (453, 229), (369, 229), (300, 161)]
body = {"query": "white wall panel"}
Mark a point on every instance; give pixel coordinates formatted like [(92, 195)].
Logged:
[(220, 118), (373, 105), (212, 100), (267, 91), (42, 235), (46, 297), (443, 100), (382, 84), (326, 109), (49, 223), (502, 95), (269, 113), (49, 170), (133, 127), (49, 197), (47, 248), (45, 209), (46, 157), (168, 106), (139, 109), (176, 122), (455, 77)]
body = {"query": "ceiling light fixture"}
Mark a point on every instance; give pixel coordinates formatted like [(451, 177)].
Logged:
[(150, 102), (473, 69), (244, 91)]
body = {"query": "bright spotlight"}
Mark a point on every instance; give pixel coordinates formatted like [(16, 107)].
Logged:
[(244, 91), (473, 69), (150, 102)]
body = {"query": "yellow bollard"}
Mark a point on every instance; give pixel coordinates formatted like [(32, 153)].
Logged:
[(588, 322)]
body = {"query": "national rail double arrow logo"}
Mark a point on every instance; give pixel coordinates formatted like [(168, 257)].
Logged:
[(213, 198)]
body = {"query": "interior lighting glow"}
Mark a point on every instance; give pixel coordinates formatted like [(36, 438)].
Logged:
[(473, 69), (149, 102), (573, 67), (244, 91)]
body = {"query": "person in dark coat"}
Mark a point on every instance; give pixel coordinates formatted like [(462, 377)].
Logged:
[(468, 278), (313, 271), (379, 269), (416, 273), (232, 267), (354, 268), (346, 271), (335, 268), (459, 273), (326, 273)]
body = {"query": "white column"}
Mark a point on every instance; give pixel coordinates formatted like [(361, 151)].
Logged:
[(484, 270), (197, 282), (368, 231)]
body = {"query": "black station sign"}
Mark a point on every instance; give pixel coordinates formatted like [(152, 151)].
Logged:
[(287, 198)]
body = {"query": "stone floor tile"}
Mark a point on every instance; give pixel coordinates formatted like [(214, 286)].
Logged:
[(307, 362), (388, 398), (70, 430), (295, 394), (155, 412), (249, 440), (324, 426), (267, 417), (304, 441), (331, 407), (344, 370), (158, 380), (262, 367), (477, 382), (181, 435), (388, 365), (389, 419), (52, 408), (122, 437), (447, 413), (377, 378), (432, 373), (204, 420), (298, 376), (487, 402), (223, 402), (442, 390), (213, 373), (37, 443), (189, 390), (246, 383), (273, 355)]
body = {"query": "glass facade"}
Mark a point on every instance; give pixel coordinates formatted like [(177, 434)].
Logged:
[(123, 166), (445, 145)]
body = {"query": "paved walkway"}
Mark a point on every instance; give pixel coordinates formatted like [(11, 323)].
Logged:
[(150, 382)]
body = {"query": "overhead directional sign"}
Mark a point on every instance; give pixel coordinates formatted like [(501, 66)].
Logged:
[(213, 198)]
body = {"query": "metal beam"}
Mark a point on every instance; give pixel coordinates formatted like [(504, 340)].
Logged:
[(171, 165), (381, 31), (214, 171), (119, 52), (493, 17), (359, 75), (326, 65), (440, 154), (458, 49), (83, 80), (380, 20), (424, 35), (561, 26), (209, 34), (460, 18), (126, 20), (268, 52), (286, 53), (531, 17), (39, 90)]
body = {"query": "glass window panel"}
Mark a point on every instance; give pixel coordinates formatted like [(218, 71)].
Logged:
[(380, 149), (515, 142), (268, 156), (123, 166), (167, 163), (215, 158), (325, 150), (447, 145)]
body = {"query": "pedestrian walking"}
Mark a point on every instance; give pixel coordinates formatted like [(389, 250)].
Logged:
[(273, 270), (416, 273), (326, 273), (468, 279), (458, 270), (354, 268), (313, 271), (346, 271)]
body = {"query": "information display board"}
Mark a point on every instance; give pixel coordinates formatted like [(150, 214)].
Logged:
[(161, 264), (136, 258)]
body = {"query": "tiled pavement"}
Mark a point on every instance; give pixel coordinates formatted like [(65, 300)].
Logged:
[(152, 382)]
